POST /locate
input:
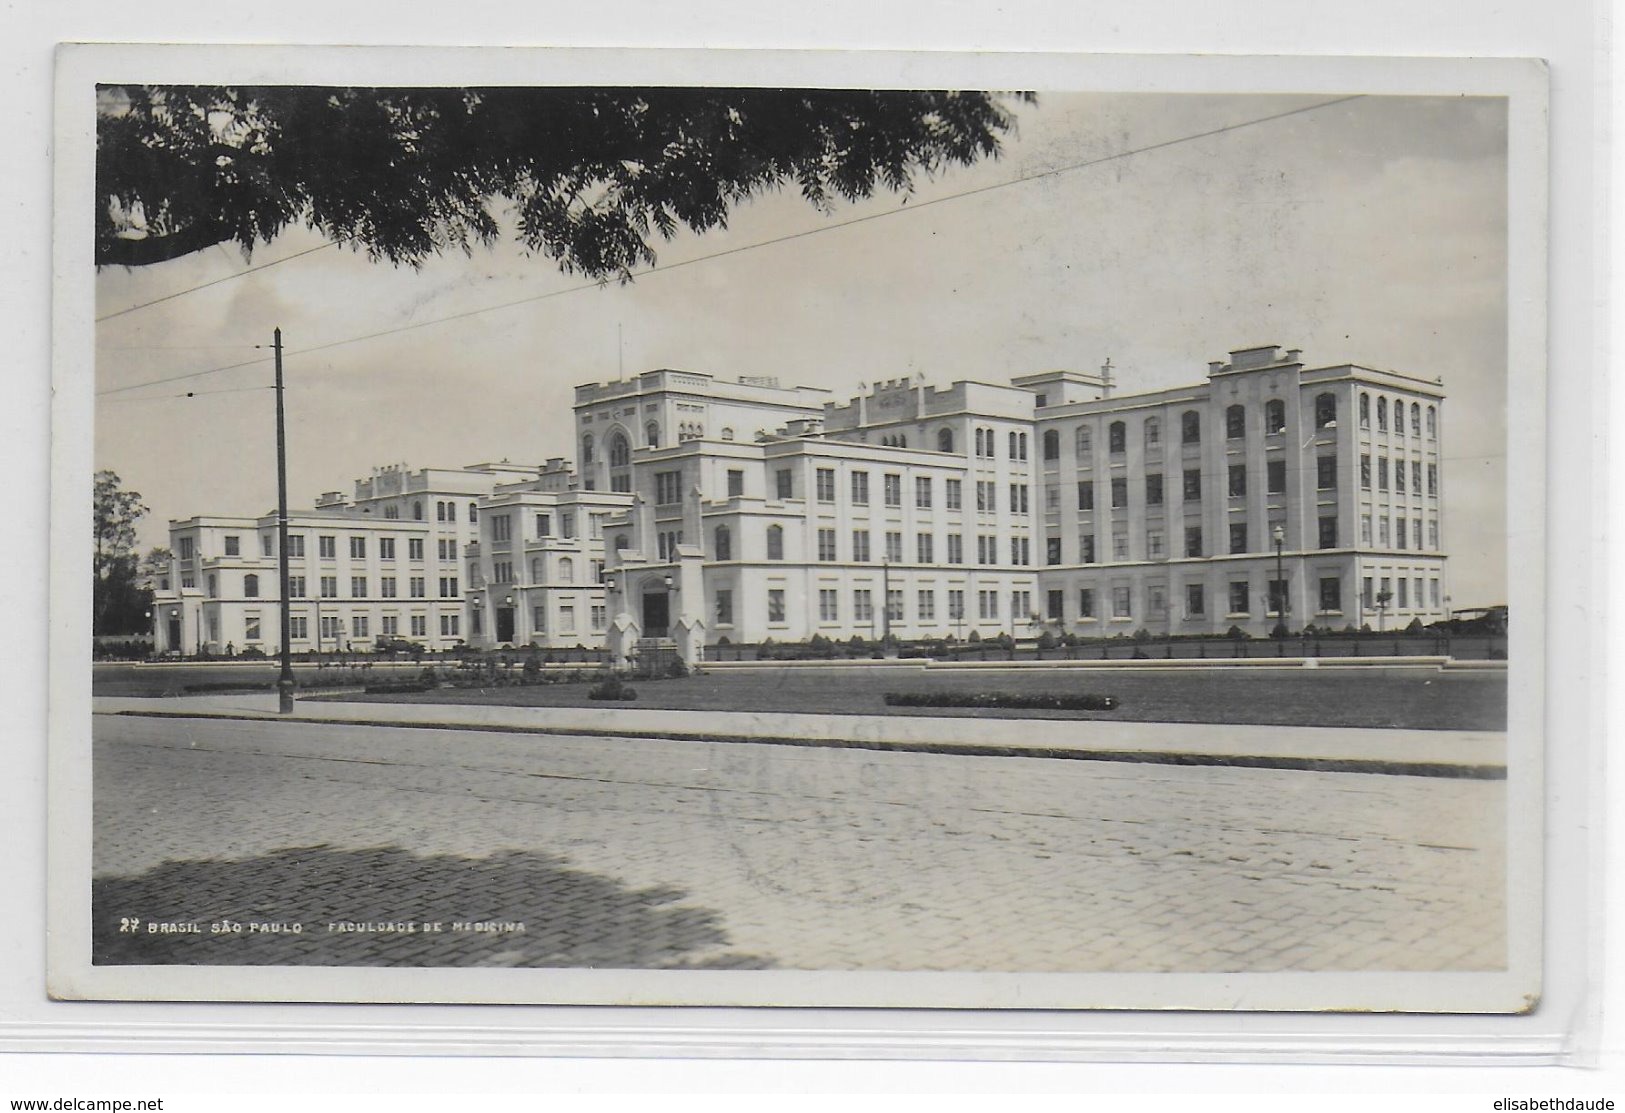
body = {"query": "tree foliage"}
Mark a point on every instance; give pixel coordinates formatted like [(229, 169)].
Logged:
[(591, 174), (119, 603)]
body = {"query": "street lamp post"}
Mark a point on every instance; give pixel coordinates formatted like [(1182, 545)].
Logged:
[(1280, 582), (284, 683)]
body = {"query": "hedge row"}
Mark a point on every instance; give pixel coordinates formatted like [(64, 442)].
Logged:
[(1002, 700)]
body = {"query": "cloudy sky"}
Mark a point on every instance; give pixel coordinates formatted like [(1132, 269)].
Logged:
[(1370, 231)]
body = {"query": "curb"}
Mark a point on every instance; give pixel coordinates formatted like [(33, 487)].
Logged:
[(1146, 757)]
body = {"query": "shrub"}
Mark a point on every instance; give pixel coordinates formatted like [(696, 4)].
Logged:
[(1415, 626), (428, 677), (1006, 641), (1236, 634), (1004, 700), (1046, 640), (677, 669), (612, 687), (975, 636)]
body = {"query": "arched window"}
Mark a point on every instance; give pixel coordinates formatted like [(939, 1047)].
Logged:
[(1052, 444), (1084, 442), (1116, 437), (1416, 419), (451, 512), (1153, 433), (1190, 427), (537, 571), (1399, 416), (724, 544), (473, 511), (1275, 416), (1015, 451), (620, 542), (567, 570), (1235, 422), (902, 440), (251, 586), (211, 585), (945, 440), (992, 446), (1325, 410), (439, 511), (586, 449), (1365, 410), (651, 433), (1382, 415), (979, 451), (1023, 444), (417, 511), (775, 542), (1433, 422), (620, 450), (727, 433)]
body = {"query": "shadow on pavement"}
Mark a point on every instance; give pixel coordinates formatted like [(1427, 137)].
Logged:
[(371, 907)]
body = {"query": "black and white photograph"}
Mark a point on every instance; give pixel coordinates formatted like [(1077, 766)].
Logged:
[(782, 534)]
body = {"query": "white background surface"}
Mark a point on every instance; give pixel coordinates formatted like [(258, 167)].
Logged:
[(1565, 32)]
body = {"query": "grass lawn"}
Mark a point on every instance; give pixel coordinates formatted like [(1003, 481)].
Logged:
[(1367, 697)]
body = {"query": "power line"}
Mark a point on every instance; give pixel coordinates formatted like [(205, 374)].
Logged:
[(774, 241), (191, 394), (222, 278)]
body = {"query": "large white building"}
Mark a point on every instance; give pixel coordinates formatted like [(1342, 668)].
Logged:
[(1268, 493), (1264, 493)]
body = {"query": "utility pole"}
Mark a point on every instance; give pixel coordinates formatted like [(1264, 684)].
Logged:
[(885, 591), (284, 684)]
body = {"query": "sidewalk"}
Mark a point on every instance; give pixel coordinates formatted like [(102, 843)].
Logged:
[(1436, 753)]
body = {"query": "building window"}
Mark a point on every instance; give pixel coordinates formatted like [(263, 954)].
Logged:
[(923, 546), (326, 547), (296, 587), (922, 492), (1052, 444), (1326, 473), (775, 604), (894, 605), (1116, 438), (1193, 485), (724, 543), (826, 544), (358, 548), (1325, 410), (359, 626), (1193, 541), (1433, 533), (956, 549), (1153, 489), (1382, 415), (1382, 473), (1328, 533), (267, 545), (1404, 594), (1086, 602), (233, 545), (1238, 597), (1052, 550), (414, 548), (420, 625), (1365, 410), (210, 585), (251, 586), (251, 627), (925, 602), (945, 440), (668, 488), (1119, 492), (1416, 532), (1153, 544), (1416, 419), (956, 604), (387, 587), (1365, 529), (1086, 548), (987, 604), (894, 546), (725, 607), (1086, 494), (1122, 602), (620, 450), (328, 586), (860, 545), (953, 494), (863, 605), (1275, 416), (1019, 551), (1399, 477), (736, 483), (1153, 433), (586, 449), (825, 484), (450, 625), (1416, 476), (389, 625), (358, 587), (1383, 529), (829, 605), (775, 542), (1083, 443), (1235, 422), (1195, 601), (1433, 423), (386, 548), (448, 587), (1275, 475), (894, 490), (651, 434), (783, 483), (1238, 537), (1190, 427), (419, 589), (1238, 479), (1365, 471)]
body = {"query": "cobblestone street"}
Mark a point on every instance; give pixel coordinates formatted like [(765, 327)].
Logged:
[(651, 853)]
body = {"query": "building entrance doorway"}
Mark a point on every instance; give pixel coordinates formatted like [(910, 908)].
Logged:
[(174, 635), (504, 625), (656, 614)]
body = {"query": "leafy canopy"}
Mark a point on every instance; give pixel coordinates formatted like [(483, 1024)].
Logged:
[(591, 174)]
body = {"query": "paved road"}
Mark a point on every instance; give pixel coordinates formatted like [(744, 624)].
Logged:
[(651, 853)]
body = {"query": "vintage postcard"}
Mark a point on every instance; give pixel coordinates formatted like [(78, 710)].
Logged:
[(976, 532)]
